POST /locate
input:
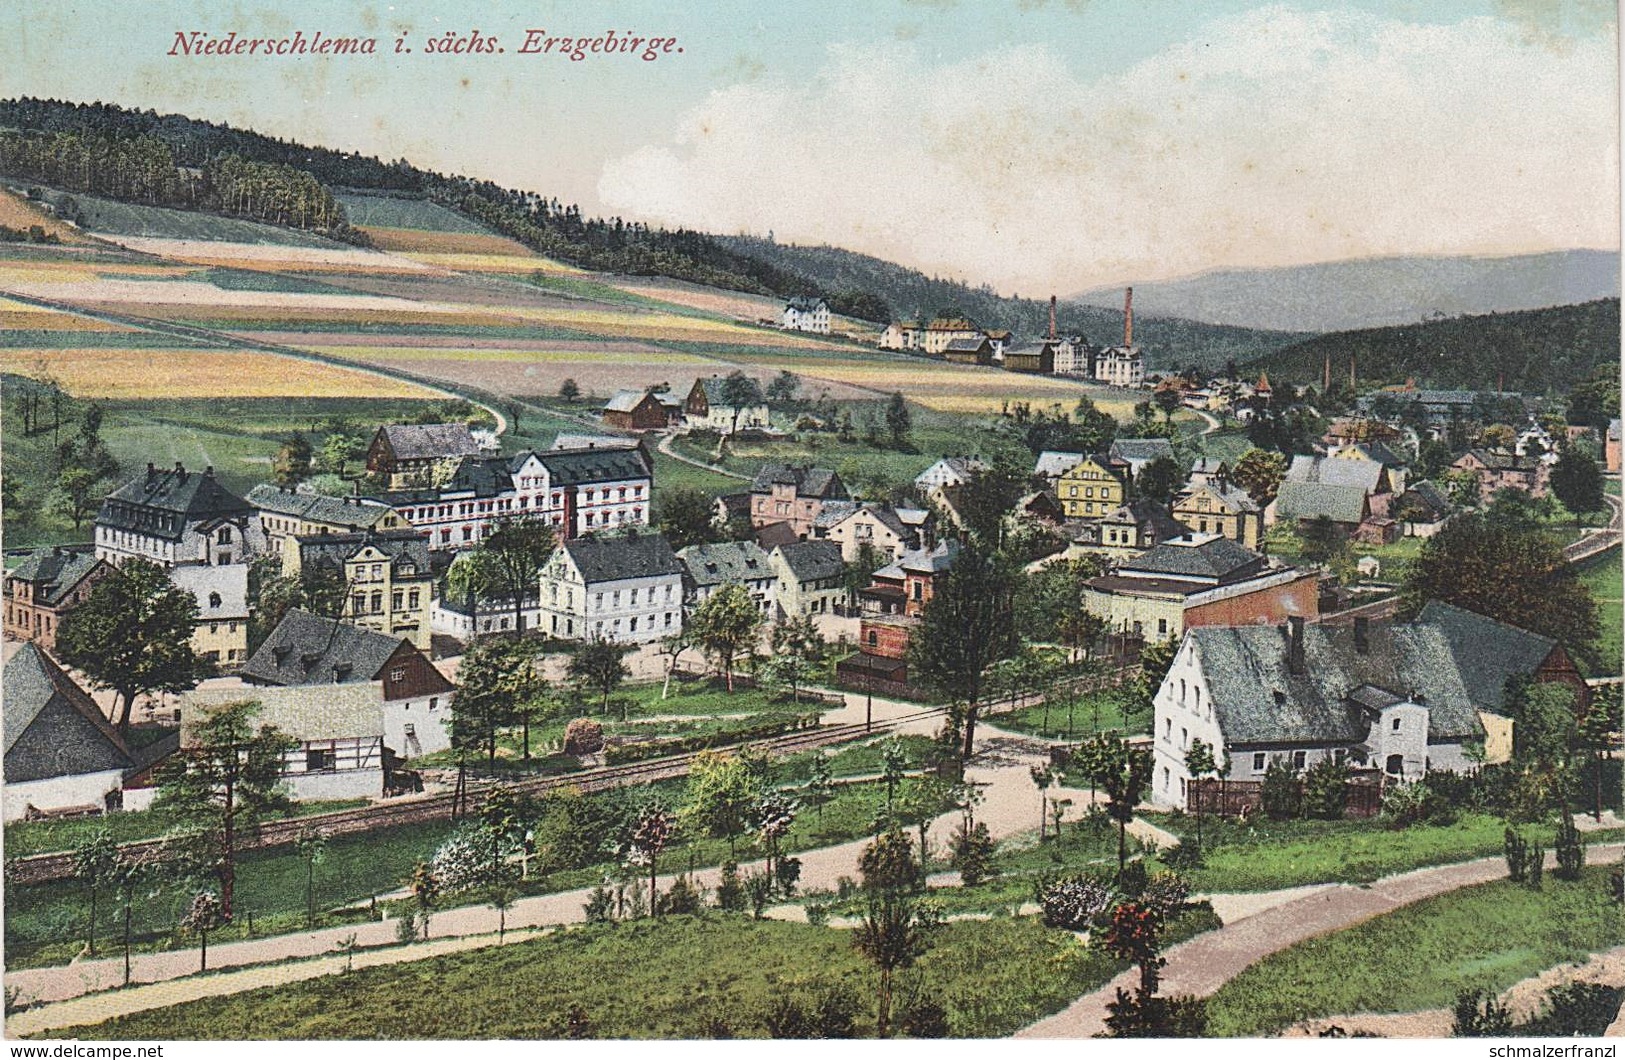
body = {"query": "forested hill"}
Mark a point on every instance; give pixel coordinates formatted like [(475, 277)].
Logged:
[(1534, 351), (175, 161), (1169, 342)]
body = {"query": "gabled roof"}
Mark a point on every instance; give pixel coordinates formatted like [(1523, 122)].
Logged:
[(593, 441), (55, 572), (1138, 451), (965, 345), (625, 401), (583, 467), (930, 561), (1488, 651), (772, 535), (228, 581), (609, 559), (836, 514), (304, 712), (1498, 461), (805, 305), (358, 512), (52, 726), (1312, 500), (816, 482), (1232, 498), (1330, 701), (1335, 471), (429, 441), (307, 649), (726, 561), (1147, 513), (401, 547), (1053, 464), (1430, 496), (196, 497), (1196, 556), (812, 560), (712, 385)]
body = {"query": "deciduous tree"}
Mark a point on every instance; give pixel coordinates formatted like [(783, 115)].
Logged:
[(506, 563), (726, 626), (966, 627)]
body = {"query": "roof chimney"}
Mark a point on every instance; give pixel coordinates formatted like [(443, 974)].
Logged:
[(1294, 652), (151, 471), (1128, 316), (208, 471), (1362, 635), (1052, 316)]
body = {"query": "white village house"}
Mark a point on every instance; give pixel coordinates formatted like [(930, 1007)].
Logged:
[(626, 589)]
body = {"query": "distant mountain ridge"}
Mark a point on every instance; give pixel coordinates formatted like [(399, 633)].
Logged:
[(911, 294), (1534, 351), (1377, 292)]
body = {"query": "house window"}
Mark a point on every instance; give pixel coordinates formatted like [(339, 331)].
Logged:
[(1168, 729), (214, 627), (1162, 627), (874, 639), (1298, 759), (317, 761), (214, 599), (1338, 755), (434, 702), (1396, 724), (225, 535), (1395, 765), (1258, 762), (397, 673)]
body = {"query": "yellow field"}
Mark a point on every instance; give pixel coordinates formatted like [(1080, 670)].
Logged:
[(16, 212), (412, 240), (107, 373), (507, 263), (24, 317), (468, 353), (252, 314)]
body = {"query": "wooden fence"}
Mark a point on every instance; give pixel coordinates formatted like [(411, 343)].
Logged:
[(1245, 798)]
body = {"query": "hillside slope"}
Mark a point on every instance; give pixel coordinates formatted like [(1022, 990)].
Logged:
[(1378, 292), (1169, 343), (1533, 351)]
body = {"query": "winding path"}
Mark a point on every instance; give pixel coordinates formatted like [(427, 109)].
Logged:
[(665, 447), (1202, 965)]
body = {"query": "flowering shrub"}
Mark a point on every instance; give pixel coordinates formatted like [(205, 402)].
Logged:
[(1073, 902), (583, 736)]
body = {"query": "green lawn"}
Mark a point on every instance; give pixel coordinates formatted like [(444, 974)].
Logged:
[(40, 837), (131, 219), (1265, 855), (1105, 711), (1603, 578), (681, 977), (1421, 956), (45, 923)]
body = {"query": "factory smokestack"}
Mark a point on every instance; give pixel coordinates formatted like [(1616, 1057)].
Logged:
[(1052, 316), (1128, 316)]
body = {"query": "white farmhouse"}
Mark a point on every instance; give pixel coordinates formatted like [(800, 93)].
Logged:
[(711, 566), (806, 314), (627, 589)]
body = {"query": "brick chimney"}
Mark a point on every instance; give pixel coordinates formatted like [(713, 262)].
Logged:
[(1128, 316), (1052, 316), (1294, 651)]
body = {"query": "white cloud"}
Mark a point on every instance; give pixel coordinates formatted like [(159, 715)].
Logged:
[(1276, 137)]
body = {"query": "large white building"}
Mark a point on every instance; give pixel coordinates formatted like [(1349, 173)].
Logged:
[(806, 314), (576, 491), (177, 516), (626, 588)]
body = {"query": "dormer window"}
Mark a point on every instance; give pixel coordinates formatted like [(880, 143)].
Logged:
[(214, 599)]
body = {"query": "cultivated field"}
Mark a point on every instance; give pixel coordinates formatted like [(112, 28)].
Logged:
[(17, 212), (179, 373)]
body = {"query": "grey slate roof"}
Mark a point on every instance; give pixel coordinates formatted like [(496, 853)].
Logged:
[(1246, 665), (805, 305), (608, 559), (358, 512), (1499, 461), (54, 572), (1488, 651), (819, 482), (305, 712), (1216, 557), (726, 561), (1052, 464), (580, 467), (190, 495), (1148, 513), (964, 345), (1426, 493), (430, 441), (1138, 451), (593, 441), (1335, 471), (52, 726), (307, 649), (403, 547), (812, 560), (1312, 500), (625, 400), (934, 561)]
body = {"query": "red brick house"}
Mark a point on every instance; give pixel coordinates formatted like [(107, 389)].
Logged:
[(784, 493)]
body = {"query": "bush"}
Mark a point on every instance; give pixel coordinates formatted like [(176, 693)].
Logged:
[(1166, 894), (972, 853), (817, 914), (925, 1019), (786, 1018), (1517, 856), (1571, 850), (1325, 790), (1406, 804), (1133, 879), (758, 887), (1141, 1015), (1480, 1016), (1576, 1008), (1073, 903), (1186, 855), (600, 906), (731, 896), (1537, 864), (583, 736), (681, 898), (835, 1010), (1280, 794)]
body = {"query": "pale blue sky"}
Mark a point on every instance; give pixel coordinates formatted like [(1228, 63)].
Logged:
[(998, 112)]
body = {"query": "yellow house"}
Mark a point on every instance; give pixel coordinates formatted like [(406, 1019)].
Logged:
[(1089, 490), (221, 591), (389, 585), (1218, 507)]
